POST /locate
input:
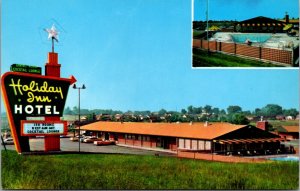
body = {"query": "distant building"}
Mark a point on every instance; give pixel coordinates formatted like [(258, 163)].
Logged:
[(289, 117), (227, 29), (288, 132)]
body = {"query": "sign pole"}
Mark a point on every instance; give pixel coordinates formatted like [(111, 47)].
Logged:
[(75, 87), (79, 117), (52, 44), (3, 143)]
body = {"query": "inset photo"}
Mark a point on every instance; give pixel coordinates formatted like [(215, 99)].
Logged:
[(234, 33)]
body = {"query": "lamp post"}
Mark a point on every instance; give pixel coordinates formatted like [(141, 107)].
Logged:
[(207, 26), (79, 88)]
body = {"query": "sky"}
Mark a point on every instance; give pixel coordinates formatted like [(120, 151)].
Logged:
[(240, 10), (133, 55)]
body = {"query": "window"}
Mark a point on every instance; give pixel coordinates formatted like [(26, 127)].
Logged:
[(194, 144), (207, 145), (181, 143), (187, 143), (201, 145)]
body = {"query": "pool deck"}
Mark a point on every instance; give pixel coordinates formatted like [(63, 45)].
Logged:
[(272, 156), (278, 41)]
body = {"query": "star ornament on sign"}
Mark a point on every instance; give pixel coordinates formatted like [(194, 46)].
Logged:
[(52, 33)]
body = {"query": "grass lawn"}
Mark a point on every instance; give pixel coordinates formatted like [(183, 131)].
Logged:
[(202, 58), (283, 123), (101, 171), (197, 33), (276, 123)]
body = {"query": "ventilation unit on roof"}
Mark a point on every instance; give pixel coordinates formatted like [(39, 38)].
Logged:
[(206, 124)]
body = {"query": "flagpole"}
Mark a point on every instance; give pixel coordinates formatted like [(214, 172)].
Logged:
[(52, 44), (207, 25)]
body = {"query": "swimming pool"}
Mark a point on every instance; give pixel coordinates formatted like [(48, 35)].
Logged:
[(267, 40), (253, 37), (286, 158)]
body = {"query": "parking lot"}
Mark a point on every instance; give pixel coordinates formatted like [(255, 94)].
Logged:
[(37, 144)]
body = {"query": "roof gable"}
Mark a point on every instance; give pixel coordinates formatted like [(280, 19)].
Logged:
[(248, 131), (290, 129), (261, 19)]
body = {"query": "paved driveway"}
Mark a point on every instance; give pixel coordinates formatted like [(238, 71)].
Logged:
[(67, 145)]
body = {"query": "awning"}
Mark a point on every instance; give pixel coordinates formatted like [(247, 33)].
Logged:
[(287, 27), (214, 28), (243, 141)]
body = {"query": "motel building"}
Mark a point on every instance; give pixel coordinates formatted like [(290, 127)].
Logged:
[(218, 138)]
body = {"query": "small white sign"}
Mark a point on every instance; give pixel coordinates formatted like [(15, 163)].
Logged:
[(43, 128)]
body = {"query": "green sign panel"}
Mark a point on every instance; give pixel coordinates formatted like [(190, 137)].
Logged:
[(26, 69)]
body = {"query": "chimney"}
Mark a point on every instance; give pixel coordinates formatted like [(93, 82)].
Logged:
[(262, 125), (287, 18), (206, 124)]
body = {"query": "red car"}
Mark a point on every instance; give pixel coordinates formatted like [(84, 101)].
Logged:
[(107, 142)]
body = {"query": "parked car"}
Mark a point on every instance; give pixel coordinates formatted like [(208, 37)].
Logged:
[(91, 139), (8, 141), (75, 138), (106, 142)]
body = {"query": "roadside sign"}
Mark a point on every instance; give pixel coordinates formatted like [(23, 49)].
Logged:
[(39, 128), (25, 69), (31, 95)]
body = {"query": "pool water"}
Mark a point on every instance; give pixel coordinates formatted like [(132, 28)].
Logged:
[(256, 38), (287, 158)]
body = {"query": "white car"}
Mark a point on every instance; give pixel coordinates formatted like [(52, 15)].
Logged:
[(91, 139), (8, 141)]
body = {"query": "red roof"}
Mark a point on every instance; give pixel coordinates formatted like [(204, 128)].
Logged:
[(184, 130), (291, 129)]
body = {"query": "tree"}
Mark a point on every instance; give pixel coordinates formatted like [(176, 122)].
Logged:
[(208, 109), (271, 110), (75, 110), (234, 109), (222, 112), (247, 112), (190, 109), (257, 112), (197, 110), (183, 111), (68, 111), (290, 112), (175, 117), (216, 111), (238, 118), (162, 112)]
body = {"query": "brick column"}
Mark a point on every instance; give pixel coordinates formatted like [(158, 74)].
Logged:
[(52, 68)]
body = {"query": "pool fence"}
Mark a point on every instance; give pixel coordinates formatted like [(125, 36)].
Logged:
[(287, 57)]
